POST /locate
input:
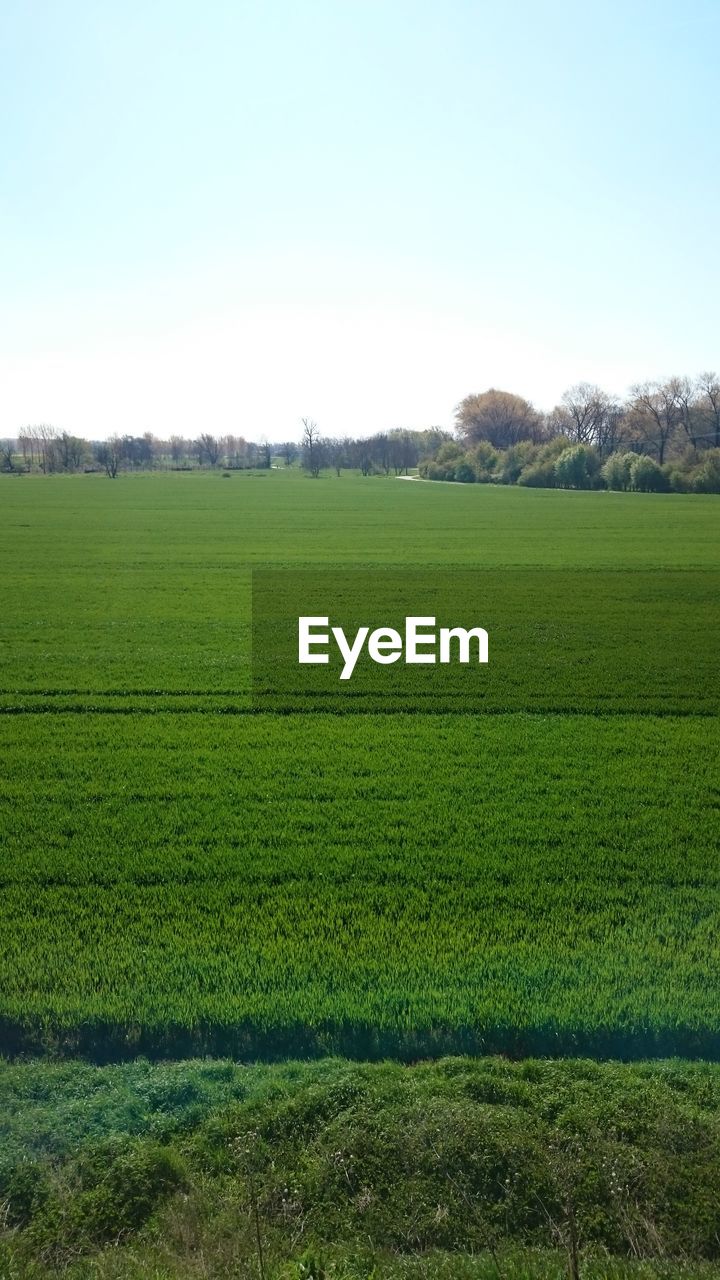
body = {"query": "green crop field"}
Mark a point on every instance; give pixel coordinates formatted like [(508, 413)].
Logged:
[(181, 871)]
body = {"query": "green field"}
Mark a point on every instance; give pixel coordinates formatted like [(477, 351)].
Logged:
[(180, 872)]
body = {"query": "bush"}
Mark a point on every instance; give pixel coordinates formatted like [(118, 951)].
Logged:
[(646, 475), (577, 467), (114, 1195), (617, 472), (515, 459), (464, 473), (706, 479), (539, 475), (437, 471), (484, 461), (24, 1189)]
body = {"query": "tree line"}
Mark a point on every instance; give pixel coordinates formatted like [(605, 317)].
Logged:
[(665, 435), (46, 449)]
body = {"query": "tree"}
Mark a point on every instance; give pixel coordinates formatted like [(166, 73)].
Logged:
[(654, 413), (311, 454), (336, 453), (207, 448), (403, 451), (617, 472), (708, 387), (577, 467), (587, 415), (380, 450), (706, 479), (43, 440), (109, 454), (498, 417), (289, 451), (71, 451), (687, 408), (7, 455), (177, 449), (265, 452), (646, 475)]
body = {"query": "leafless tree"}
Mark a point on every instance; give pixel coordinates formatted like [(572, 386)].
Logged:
[(336, 452), (311, 447), (654, 413), (177, 449), (708, 386), (43, 444), (588, 415), (208, 449)]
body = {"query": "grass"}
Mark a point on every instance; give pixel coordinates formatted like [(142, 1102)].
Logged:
[(176, 879), (463, 1167), (184, 873), (385, 882)]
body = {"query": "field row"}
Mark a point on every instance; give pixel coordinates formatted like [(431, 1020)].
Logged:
[(555, 877), (559, 641)]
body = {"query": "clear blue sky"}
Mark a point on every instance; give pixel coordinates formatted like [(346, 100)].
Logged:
[(228, 215)]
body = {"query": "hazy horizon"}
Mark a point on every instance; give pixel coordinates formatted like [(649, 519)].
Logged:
[(225, 219)]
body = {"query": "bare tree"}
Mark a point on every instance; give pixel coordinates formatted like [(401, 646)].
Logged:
[(654, 413), (177, 449), (311, 453), (708, 387), (403, 451), (207, 448), (588, 415), (336, 454), (43, 445), (685, 392)]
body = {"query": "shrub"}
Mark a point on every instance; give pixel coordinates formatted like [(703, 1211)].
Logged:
[(617, 471), (437, 471), (646, 475), (539, 475), (577, 467), (484, 461), (515, 459), (464, 473), (706, 479)]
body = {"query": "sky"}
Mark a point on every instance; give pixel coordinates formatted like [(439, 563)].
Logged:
[(227, 215)]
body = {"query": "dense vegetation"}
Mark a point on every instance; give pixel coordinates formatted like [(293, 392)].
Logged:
[(463, 1168), (175, 878)]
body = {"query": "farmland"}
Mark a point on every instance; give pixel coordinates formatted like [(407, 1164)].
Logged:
[(182, 872)]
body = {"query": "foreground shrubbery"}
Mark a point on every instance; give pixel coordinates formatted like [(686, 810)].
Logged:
[(343, 1169)]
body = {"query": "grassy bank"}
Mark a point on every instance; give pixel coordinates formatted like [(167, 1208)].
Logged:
[(464, 1167)]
